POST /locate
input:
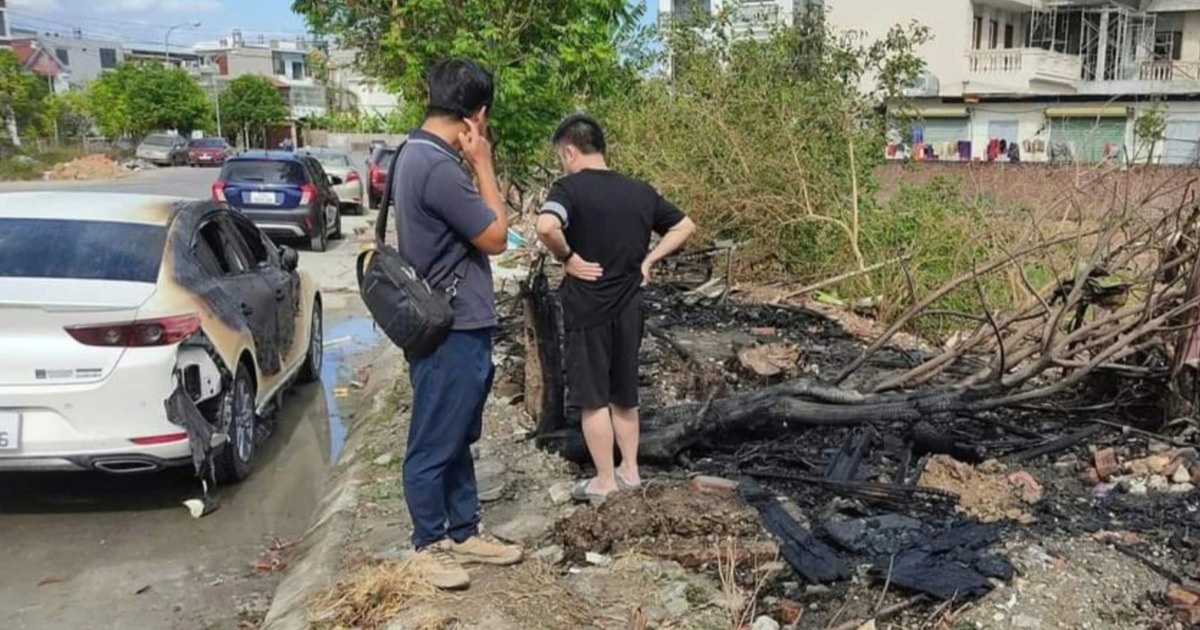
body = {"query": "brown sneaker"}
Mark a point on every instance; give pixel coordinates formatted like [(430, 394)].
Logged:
[(481, 549), (438, 565)]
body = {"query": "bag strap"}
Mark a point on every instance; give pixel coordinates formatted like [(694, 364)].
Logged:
[(458, 271)]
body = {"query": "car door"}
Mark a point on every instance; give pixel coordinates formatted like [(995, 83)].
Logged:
[(284, 284), (241, 278), (327, 198)]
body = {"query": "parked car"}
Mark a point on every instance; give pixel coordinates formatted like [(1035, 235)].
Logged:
[(205, 151), (134, 321), (352, 192), (287, 195), (377, 167), (163, 149)]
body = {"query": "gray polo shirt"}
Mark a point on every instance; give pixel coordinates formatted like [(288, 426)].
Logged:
[(439, 212)]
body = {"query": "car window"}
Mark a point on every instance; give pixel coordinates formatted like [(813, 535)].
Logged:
[(264, 171), (334, 159), (159, 140), (317, 170), (80, 250), (211, 238), (249, 240), (207, 143)]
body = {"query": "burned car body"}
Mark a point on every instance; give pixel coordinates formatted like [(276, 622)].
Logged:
[(141, 332)]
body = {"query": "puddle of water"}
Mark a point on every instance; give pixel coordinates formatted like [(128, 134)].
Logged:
[(344, 341)]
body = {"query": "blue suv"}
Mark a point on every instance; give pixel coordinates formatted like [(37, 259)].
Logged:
[(287, 195)]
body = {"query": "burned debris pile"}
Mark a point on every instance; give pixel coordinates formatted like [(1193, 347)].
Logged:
[(915, 459)]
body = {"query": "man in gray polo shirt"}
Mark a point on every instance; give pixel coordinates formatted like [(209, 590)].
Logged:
[(448, 226)]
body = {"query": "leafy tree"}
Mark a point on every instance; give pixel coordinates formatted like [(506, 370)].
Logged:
[(252, 104), (547, 57), (21, 96), (136, 99)]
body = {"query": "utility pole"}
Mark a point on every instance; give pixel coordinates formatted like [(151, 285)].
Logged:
[(167, 37)]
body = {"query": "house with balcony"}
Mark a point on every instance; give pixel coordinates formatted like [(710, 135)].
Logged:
[(82, 58), (1062, 80), (284, 62)]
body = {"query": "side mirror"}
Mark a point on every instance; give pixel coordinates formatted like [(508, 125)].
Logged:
[(334, 180), (289, 258)]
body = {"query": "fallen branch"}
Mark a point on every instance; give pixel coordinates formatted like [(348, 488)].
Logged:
[(845, 276)]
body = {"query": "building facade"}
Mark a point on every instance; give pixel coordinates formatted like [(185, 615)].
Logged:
[(365, 95), (1061, 80), (82, 58), (5, 32), (284, 62)]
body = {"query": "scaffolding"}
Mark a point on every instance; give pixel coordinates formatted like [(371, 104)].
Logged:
[(1111, 37)]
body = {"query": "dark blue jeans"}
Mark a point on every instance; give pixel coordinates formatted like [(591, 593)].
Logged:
[(449, 388)]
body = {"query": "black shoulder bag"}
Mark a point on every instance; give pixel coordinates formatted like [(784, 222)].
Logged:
[(412, 313)]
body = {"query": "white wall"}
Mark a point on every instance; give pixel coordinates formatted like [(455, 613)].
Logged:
[(949, 21), (1030, 117)]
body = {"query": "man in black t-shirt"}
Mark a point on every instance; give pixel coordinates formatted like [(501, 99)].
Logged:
[(598, 222)]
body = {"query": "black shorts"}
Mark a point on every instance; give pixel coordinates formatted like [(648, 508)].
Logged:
[(602, 361)]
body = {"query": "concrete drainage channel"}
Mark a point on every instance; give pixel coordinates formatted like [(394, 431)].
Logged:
[(318, 553)]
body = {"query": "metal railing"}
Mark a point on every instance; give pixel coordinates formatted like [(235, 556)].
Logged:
[(1169, 71)]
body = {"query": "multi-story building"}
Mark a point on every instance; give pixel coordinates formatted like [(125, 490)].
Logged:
[(82, 58), (753, 18), (365, 95), (5, 34), (1059, 79), (285, 62)]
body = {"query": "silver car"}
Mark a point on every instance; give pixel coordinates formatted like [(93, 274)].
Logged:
[(163, 149), (352, 192)]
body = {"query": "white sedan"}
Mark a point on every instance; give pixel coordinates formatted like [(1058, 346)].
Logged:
[(140, 332), (352, 192)]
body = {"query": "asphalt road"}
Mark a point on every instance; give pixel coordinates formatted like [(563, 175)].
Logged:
[(90, 551)]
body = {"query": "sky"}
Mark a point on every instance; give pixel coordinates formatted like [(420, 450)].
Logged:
[(145, 23)]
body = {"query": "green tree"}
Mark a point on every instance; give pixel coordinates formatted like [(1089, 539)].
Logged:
[(136, 99), (22, 94), (547, 57), (251, 104)]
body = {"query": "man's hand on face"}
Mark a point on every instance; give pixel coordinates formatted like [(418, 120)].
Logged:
[(578, 268), (476, 147)]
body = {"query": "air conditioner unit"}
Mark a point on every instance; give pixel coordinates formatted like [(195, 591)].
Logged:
[(925, 85)]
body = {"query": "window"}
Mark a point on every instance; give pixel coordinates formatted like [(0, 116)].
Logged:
[(108, 58), (280, 67), (1008, 35), (993, 33), (63, 55), (80, 250), (212, 253), (252, 239), (3, 25), (297, 70), (1168, 46), (977, 34), (265, 171)]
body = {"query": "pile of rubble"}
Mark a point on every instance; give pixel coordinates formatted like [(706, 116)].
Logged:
[(1174, 470), (96, 166)]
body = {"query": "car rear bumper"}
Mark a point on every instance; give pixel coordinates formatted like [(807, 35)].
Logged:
[(132, 462), (91, 425), (292, 223)]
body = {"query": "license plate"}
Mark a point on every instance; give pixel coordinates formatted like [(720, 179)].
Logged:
[(10, 431), (265, 198), (205, 157)]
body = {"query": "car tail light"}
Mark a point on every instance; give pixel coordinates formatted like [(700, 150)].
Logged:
[(307, 192), (378, 175), (151, 440), (352, 176), (218, 191), (151, 332)]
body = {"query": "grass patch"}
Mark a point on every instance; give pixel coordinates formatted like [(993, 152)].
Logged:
[(29, 165)]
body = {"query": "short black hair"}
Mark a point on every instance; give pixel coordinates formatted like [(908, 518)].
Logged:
[(582, 132), (458, 87)]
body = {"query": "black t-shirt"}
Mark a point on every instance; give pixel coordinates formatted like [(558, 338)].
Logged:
[(607, 218)]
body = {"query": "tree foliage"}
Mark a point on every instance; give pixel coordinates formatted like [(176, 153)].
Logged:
[(22, 95), (548, 57), (252, 104), (772, 143), (135, 99)]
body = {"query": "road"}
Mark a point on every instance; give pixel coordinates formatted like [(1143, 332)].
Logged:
[(89, 551)]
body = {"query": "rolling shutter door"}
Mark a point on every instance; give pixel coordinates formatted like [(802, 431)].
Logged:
[(1087, 137), (1004, 130), (943, 130), (1182, 144)]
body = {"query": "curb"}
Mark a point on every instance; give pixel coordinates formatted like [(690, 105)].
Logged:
[(319, 552)]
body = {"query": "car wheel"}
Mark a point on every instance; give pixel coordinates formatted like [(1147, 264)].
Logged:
[(239, 420), (372, 201), (337, 223), (320, 238), (316, 347)]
